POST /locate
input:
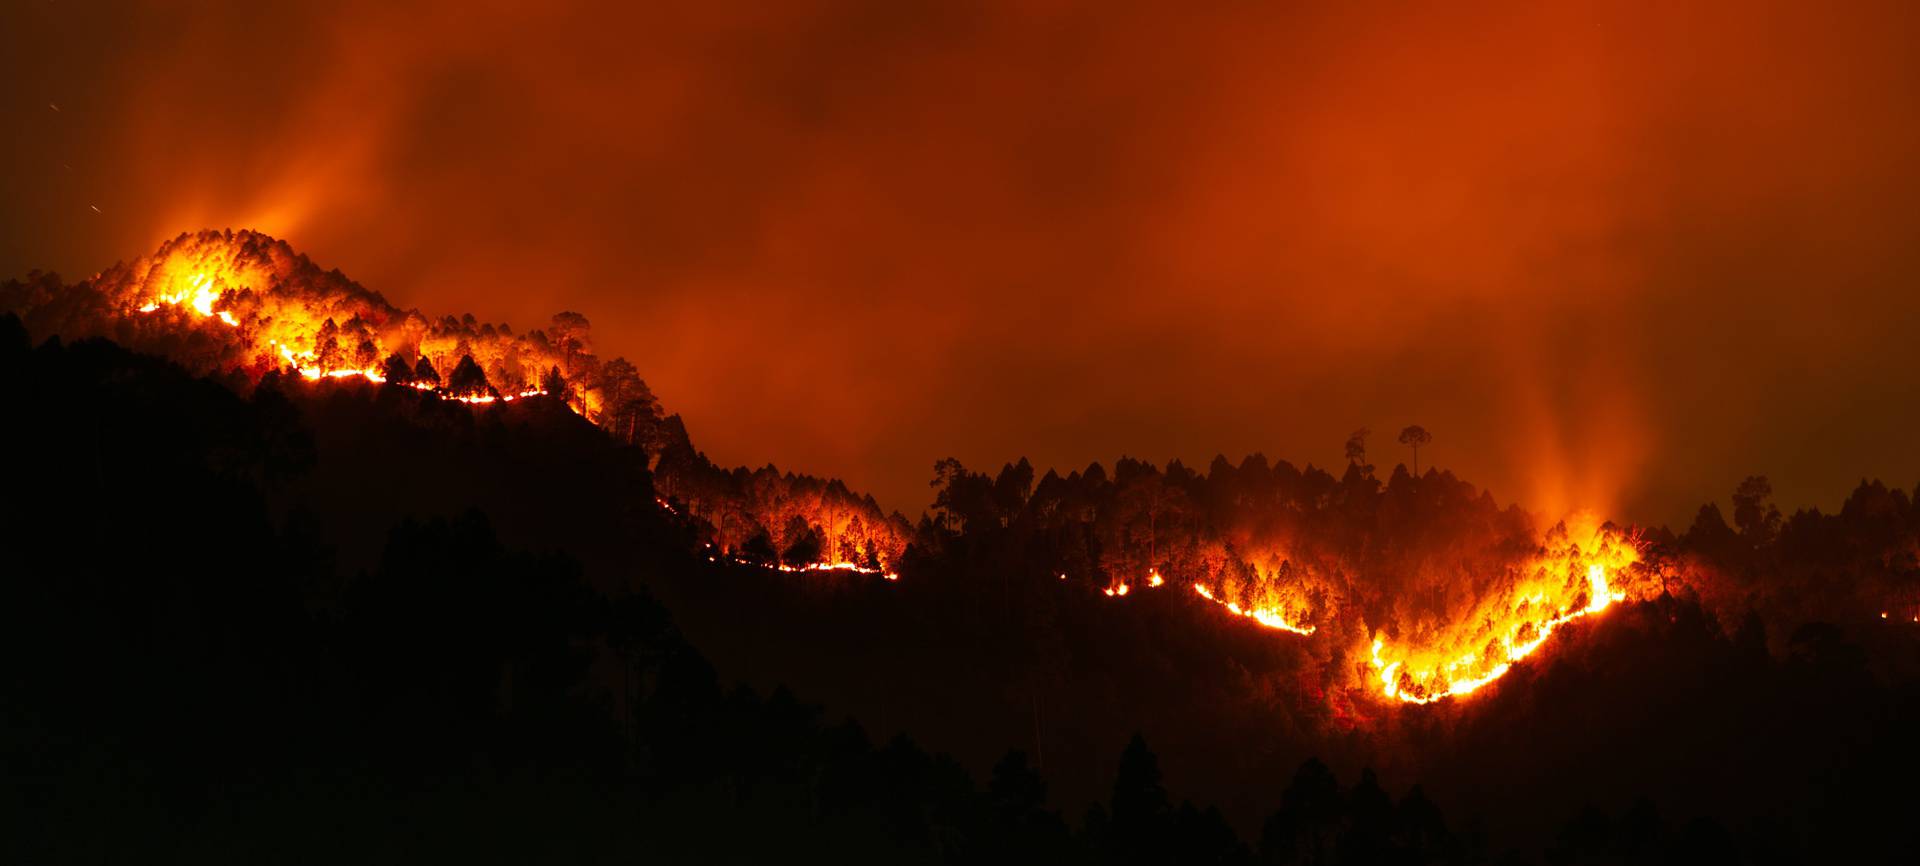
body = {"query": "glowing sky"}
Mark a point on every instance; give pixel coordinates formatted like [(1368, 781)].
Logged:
[(1616, 256)]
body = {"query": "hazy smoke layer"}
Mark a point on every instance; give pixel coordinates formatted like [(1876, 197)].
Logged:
[(1611, 257)]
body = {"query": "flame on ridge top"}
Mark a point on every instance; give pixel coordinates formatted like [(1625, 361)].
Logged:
[(202, 292)]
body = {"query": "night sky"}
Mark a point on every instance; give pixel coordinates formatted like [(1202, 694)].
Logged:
[(1616, 257)]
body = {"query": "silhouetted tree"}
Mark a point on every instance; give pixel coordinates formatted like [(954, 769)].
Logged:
[(1369, 822), (468, 380), (397, 371), (1017, 791), (759, 550), (424, 373), (1709, 531), (636, 419), (1139, 809), (1421, 831), (1204, 838), (638, 633), (1146, 504), (570, 333), (1310, 815), (964, 499), (556, 385), (1414, 437), (1757, 519), (1011, 489), (1023, 828), (803, 545), (1357, 446), (630, 405)]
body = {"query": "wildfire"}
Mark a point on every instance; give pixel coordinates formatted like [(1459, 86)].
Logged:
[(1558, 588), (841, 566), (1270, 618), (811, 567), (201, 294), (851, 567), (242, 303), (283, 313)]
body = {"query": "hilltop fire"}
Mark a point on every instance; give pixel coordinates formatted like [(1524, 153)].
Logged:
[(278, 312), (241, 302), (312, 364)]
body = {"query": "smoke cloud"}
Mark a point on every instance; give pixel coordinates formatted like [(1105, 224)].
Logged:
[(1614, 257)]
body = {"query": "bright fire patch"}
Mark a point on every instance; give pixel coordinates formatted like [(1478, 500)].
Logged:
[(1555, 589)]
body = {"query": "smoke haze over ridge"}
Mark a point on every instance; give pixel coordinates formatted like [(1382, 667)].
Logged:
[(1614, 257)]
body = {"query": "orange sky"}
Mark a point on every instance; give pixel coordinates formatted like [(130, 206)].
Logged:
[(1614, 257)]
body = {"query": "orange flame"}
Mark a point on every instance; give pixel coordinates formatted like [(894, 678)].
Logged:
[(811, 567), (201, 294), (1273, 619), (1555, 589)]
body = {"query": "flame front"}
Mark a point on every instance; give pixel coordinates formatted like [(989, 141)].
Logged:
[(202, 284), (1556, 588), (812, 567), (1270, 618)]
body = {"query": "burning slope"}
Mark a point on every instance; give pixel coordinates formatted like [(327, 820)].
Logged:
[(1455, 653), (323, 353), (1479, 645), (1416, 590), (222, 302), (1270, 618)]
